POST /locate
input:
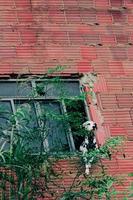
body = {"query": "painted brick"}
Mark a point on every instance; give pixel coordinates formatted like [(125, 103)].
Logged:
[(88, 53), (122, 39)]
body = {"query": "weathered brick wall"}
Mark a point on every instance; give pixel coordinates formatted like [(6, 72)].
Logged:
[(86, 36)]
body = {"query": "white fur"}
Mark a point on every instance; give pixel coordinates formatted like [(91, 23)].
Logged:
[(89, 126)]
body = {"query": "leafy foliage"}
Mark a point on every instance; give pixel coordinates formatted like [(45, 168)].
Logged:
[(28, 164)]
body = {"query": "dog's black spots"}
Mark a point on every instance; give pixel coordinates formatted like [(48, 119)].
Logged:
[(109, 155), (78, 140), (124, 156)]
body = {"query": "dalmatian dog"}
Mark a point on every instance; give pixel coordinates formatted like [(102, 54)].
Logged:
[(88, 143)]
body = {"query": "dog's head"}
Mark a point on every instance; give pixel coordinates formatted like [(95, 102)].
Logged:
[(90, 126)]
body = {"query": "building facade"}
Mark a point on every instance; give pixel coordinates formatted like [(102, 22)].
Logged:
[(84, 36)]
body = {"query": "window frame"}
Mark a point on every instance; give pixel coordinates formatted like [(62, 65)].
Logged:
[(62, 105)]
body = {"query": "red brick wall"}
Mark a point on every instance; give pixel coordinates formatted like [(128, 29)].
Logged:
[(86, 36)]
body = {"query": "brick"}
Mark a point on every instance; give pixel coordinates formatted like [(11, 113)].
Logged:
[(130, 19), (28, 36), (25, 52), (108, 39), (86, 3), (59, 37), (6, 5), (108, 101), (116, 68), (117, 3), (88, 16), (84, 66), (130, 53), (100, 67), (122, 39), (129, 3), (11, 37), (5, 68), (91, 38), (23, 3), (104, 53), (119, 17), (101, 84), (7, 52), (114, 85), (119, 53), (102, 3), (70, 3), (116, 130), (25, 17), (104, 17), (73, 16), (56, 16), (88, 53), (8, 17), (124, 100), (128, 68), (76, 38)]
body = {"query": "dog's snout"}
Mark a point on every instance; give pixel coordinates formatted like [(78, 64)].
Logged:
[(94, 126)]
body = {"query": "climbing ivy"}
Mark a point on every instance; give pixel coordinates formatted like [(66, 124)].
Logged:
[(28, 173)]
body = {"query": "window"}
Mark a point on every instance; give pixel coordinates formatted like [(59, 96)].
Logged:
[(50, 110)]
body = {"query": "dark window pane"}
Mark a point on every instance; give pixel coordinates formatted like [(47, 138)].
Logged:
[(5, 124), (76, 117), (58, 89), (14, 89), (5, 114), (55, 131), (27, 125)]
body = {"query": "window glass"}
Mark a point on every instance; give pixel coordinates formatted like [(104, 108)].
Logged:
[(77, 116), (5, 125), (55, 131), (14, 89), (27, 125), (58, 89), (5, 114)]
